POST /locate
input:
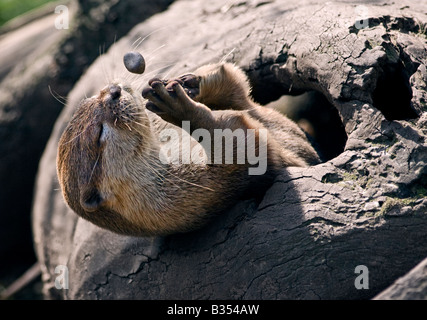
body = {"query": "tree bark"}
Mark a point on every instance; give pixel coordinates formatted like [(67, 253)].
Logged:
[(412, 286), (314, 226)]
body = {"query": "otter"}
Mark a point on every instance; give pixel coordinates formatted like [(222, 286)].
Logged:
[(109, 165)]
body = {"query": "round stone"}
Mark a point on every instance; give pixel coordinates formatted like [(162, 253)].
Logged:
[(134, 62)]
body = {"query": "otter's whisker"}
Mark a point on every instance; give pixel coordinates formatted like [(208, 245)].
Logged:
[(136, 113), (140, 40), (224, 59), (162, 68), (148, 55), (71, 140), (103, 68), (94, 166), (158, 174), (134, 43), (170, 70), (141, 124), (77, 135), (128, 126), (57, 96)]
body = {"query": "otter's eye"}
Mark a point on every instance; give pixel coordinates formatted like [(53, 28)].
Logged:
[(101, 136)]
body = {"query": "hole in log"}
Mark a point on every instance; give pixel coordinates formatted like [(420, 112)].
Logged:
[(311, 110), (393, 93), (318, 118)]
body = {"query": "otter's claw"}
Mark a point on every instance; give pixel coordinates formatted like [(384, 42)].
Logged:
[(191, 84), (170, 100)]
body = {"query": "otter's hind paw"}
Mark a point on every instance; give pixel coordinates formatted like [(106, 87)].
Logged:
[(171, 101)]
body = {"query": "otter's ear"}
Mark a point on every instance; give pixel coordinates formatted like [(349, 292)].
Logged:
[(231, 72), (91, 200), (226, 70)]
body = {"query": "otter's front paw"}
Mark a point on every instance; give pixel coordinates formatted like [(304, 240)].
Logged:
[(191, 84), (170, 100)]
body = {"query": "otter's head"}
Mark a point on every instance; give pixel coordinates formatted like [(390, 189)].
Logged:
[(98, 155)]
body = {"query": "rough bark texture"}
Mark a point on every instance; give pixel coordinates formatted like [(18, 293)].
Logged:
[(314, 226), (413, 286), (39, 64)]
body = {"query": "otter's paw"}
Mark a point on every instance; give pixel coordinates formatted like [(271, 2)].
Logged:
[(171, 101), (190, 83)]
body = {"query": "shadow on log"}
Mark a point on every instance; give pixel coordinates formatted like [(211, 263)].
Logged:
[(366, 206), (412, 286)]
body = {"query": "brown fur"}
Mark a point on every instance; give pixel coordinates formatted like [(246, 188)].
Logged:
[(108, 156)]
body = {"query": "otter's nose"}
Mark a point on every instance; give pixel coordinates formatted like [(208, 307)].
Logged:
[(115, 91)]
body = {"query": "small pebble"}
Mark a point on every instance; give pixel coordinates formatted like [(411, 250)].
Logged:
[(134, 62)]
